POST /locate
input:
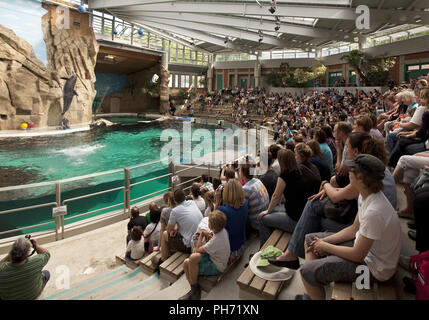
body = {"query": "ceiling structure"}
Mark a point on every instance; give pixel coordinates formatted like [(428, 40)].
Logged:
[(257, 25)]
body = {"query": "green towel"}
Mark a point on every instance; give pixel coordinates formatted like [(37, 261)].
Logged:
[(269, 252)]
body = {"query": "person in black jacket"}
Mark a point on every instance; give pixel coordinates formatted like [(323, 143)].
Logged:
[(135, 220)]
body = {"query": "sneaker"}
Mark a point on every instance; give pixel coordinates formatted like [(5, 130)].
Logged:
[(404, 261), (195, 293)]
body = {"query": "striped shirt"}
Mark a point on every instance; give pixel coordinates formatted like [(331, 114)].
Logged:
[(24, 282), (257, 198)]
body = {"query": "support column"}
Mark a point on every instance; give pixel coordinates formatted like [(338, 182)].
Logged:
[(210, 74), (164, 91), (257, 72), (401, 69)]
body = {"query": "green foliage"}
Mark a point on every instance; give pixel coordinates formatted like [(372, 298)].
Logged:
[(298, 78), (373, 71), (151, 89)]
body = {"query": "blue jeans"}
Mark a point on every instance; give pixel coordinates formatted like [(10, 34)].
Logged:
[(391, 140), (46, 277), (309, 222), (275, 220)]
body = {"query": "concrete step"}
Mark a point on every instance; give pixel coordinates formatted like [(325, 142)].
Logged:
[(118, 284)]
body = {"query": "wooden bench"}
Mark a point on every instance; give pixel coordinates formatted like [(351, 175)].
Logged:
[(379, 291), (133, 264), (251, 284), (147, 263), (208, 282), (172, 268)]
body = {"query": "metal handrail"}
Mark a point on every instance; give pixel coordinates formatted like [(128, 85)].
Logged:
[(199, 177), (29, 227), (149, 180), (86, 213), (150, 194), (92, 194), (147, 163), (30, 207), (189, 168)]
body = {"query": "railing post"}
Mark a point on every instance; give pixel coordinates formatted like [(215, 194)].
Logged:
[(58, 199), (126, 190), (172, 170)]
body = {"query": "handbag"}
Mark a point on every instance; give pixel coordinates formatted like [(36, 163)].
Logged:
[(419, 268), (422, 181), (148, 245), (343, 212)]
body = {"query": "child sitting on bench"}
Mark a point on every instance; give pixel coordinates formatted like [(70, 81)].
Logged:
[(211, 258), (135, 248)]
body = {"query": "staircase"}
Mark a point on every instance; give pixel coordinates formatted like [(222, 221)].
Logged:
[(121, 283)]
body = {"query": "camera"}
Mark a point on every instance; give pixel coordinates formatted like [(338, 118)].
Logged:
[(28, 236)]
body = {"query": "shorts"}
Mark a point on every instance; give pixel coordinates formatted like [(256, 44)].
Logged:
[(176, 244), (206, 267), (321, 272)]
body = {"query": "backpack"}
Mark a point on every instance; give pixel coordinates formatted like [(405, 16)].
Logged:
[(419, 268), (422, 181)]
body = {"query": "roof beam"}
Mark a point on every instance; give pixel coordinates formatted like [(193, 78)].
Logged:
[(316, 12), (189, 33), (246, 23), (224, 31)]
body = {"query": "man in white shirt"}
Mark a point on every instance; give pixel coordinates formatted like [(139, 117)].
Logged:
[(376, 232), (183, 222)]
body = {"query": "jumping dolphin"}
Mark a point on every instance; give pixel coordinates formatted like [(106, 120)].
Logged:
[(69, 92)]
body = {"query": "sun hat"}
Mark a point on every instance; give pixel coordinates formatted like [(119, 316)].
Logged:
[(269, 272)]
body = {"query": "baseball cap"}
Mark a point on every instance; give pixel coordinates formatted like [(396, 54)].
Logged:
[(368, 164)]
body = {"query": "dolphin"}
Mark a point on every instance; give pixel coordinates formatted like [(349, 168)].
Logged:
[(69, 92)]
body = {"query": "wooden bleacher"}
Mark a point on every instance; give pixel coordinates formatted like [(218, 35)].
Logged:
[(130, 263), (172, 268), (147, 263), (379, 291), (252, 285)]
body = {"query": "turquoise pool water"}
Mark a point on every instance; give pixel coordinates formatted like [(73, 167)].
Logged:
[(52, 158)]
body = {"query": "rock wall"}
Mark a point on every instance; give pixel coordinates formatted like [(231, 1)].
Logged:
[(29, 91)]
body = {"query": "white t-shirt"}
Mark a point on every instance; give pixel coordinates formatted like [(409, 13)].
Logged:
[(219, 250), (418, 116), (155, 234), (201, 204), (379, 222), (207, 212), (276, 167), (136, 248), (187, 216)]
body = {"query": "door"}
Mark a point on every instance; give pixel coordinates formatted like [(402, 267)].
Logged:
[(414, 71), (115, 105), (219, 82), (243, 83), (335, 77), (352, 77)]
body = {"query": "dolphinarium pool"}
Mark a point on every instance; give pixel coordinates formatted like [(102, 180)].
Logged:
[(63, 157)]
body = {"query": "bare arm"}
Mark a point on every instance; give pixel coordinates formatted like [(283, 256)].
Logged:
[(277, 195), (344, 235), (424, 154), (339, 194), (408, 125), (357, 253), (38, 248), (6, 258)]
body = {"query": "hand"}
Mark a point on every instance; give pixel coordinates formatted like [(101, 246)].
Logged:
[(156, 248), (262, 214), (320, 196), (33, 242), (318, 246), (342, 170)]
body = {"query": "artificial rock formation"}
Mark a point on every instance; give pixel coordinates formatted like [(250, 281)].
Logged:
[(29, 91)]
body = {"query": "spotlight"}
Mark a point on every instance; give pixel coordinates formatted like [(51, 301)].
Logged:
[(277, 28), (260, 40), (272, 10)]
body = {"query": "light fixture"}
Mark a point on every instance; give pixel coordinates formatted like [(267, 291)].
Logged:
[(277, 28), (109, 57), (272, 10)]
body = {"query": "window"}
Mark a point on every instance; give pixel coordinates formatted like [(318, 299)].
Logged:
[(170, 81), (176, 81), (413, 68), (425, 66), (266, 55), (277, 55), (302, 55)]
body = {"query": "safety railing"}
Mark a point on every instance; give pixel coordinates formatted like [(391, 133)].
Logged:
[(59, 222)]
